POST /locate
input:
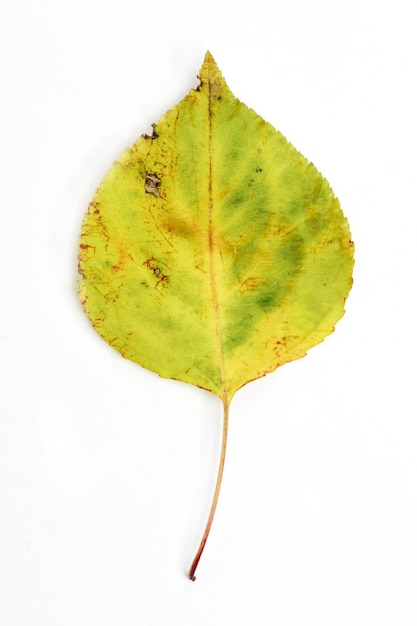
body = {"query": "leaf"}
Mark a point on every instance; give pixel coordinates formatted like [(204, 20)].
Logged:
[(213, 252)]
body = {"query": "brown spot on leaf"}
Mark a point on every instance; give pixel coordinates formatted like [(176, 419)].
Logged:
[(85, 246), (152, 183), (251, 284), (154, 133), (153, 265)]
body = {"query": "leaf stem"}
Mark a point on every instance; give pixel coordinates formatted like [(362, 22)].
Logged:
[(191, 572)]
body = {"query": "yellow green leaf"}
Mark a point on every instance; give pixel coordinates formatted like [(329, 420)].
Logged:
[(213, 252)]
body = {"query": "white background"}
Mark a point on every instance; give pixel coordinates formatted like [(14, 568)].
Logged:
[(106, 470)]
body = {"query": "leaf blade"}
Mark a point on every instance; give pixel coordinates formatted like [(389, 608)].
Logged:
[(218, 216)]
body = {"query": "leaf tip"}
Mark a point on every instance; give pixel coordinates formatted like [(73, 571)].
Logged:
[(208, 57), (209, 70)]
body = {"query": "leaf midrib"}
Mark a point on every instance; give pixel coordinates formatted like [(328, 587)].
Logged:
[(213, 283)]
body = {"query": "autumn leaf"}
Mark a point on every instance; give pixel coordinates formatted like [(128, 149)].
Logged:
[(213, 252)]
